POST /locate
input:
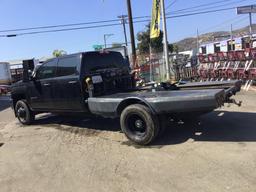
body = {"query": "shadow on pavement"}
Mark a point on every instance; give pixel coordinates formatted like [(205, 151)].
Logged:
[(218, 126), (93, 123)]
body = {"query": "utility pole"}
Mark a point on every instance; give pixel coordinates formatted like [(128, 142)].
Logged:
[(166, 54), (249, 9), (129, 9), (197, 41), (105, 39), (231, 37), (250, 18), (150, 66), (123, 22)]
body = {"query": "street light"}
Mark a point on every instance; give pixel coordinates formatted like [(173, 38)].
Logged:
[(105, 39), (123, 22)]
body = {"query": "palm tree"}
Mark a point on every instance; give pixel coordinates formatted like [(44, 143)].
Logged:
[(58, 53)]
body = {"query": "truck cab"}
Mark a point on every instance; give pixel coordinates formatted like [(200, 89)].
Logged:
[(59, 84)]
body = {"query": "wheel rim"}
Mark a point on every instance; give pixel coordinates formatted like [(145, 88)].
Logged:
[(136, 125), (21, 113)]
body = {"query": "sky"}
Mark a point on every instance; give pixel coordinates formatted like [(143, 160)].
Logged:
[(32, 13)]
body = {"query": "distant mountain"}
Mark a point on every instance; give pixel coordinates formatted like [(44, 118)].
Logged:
[(191, 42)]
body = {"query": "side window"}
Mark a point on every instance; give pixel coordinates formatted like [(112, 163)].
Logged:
[(67, 66), (47, 70)]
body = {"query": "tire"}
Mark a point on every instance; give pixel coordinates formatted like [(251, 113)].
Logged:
[(23, 113), (139, 124)]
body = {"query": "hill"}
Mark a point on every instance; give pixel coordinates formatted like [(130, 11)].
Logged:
[(191, 42)]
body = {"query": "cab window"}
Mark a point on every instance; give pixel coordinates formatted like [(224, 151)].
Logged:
[(47, 70), (97, 61), (67, 66)]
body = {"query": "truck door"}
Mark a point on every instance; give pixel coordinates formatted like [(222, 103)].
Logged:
[(68, 89), (41, 89)]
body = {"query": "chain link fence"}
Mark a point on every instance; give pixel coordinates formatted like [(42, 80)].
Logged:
[(152, 67)]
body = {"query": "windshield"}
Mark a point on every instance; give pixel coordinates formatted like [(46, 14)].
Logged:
[(94, 61)]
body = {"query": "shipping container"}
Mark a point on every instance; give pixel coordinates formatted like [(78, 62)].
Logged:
[(5, 74)]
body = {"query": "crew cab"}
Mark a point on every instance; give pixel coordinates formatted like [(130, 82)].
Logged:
[(100, 84)]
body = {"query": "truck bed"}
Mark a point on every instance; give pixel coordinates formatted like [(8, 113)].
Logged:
[(211, 85), (161, 102)]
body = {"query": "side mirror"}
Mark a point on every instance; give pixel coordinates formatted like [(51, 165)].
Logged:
[(27, 76), (31, 75), (28, 66)]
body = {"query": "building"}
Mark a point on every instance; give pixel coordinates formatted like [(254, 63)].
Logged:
[(236, 44), (16, 67)]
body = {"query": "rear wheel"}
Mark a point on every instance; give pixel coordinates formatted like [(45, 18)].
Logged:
[(139, 124), (23, 113)]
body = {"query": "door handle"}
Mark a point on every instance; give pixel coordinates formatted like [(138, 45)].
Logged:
[(72, 82), (46, 84)]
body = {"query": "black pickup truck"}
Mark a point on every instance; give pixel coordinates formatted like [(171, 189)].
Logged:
[(100, 84)]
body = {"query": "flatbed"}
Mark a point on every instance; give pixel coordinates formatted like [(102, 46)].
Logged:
[(161, 102), (210, 84)]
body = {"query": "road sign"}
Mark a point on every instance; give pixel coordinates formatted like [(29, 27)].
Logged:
[(246, 9), (98, 47)]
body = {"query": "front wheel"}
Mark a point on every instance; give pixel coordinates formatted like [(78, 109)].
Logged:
[(23, 113), (139, 124)]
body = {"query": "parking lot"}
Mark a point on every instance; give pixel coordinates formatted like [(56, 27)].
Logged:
[(70, 154)]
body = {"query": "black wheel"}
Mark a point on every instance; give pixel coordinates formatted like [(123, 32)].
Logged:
[(139, 124), (23, 113)]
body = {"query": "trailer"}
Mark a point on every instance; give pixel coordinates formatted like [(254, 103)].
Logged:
[(5, 77)]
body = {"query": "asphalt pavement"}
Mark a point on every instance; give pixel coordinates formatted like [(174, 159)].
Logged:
[(215, 154)]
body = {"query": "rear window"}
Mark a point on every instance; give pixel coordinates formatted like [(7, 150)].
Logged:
[(94, 61)]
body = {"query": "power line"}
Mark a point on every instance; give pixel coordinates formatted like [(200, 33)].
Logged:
[(213, 7), (227, 22), (113, 24), (92, 22), (202, 12), (171, 4), (59, 30), (240, 21), (201, 5), (67, 25), (57, 26)]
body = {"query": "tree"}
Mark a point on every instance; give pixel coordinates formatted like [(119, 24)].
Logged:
[(58, 53), (173, 48), (144, 41), (170, 47)]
